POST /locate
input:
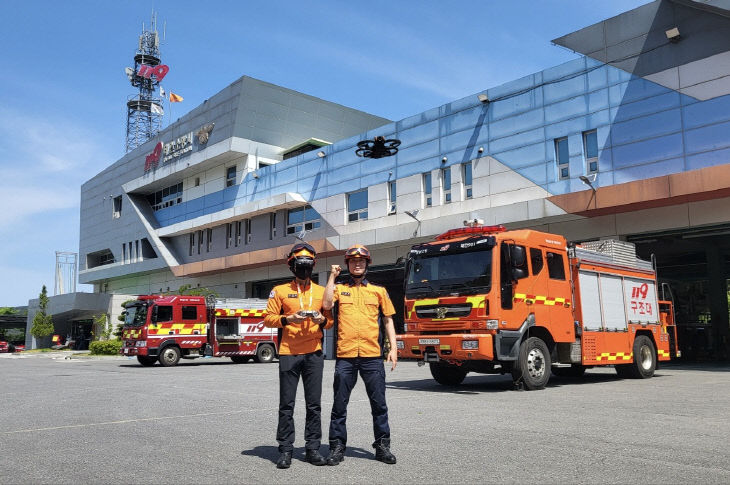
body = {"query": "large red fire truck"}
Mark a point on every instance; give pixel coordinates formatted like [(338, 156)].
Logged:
[(483, 299), (167, 328)]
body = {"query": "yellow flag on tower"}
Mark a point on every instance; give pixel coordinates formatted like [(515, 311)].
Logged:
[(175, 98)]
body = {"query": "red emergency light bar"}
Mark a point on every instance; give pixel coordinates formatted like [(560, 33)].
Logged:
[(470, 231)]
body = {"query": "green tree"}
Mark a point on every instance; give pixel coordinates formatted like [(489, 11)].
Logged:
[(190, 291), (42, 322), (102, 327), (7, 310)]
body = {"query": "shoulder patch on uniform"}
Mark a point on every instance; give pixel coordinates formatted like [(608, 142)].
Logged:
[(271, 295)]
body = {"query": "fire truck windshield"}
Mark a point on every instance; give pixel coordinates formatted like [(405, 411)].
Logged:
[(135, 315), (449, 273)]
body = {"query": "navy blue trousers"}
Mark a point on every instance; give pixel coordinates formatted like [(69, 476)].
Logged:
[(291, 367), (372, 371)]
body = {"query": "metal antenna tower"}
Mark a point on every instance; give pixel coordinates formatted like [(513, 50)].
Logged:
[(144, 109), (65, 273)]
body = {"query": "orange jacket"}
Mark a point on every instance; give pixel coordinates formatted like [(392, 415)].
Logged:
[(296, 338), (357, 322)]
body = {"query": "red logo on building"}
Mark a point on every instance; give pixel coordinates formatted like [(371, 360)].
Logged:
[(159, 71), (153, 158)]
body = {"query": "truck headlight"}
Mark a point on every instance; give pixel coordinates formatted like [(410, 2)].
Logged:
[(399, 344), (492, 324), (470, 344), (141, 343)]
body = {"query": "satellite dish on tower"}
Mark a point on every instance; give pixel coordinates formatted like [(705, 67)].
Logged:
[(129, 72)]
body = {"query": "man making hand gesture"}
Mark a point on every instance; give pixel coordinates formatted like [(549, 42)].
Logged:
[(361, 308)]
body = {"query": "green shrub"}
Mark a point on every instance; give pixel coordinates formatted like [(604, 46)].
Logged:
[(105, 347)]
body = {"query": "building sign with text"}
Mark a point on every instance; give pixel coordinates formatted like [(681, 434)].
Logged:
[(169, 151)]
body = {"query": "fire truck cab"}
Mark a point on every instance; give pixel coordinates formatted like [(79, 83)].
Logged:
[(168, 328), (483, 299)]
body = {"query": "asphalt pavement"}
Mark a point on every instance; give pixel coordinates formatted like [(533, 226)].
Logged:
[(110, 420)]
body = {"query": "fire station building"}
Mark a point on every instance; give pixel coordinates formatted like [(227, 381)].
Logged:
[(630, 140)]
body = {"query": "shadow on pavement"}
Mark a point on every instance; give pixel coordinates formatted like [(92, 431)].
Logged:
[(478, 383), (271, 453)]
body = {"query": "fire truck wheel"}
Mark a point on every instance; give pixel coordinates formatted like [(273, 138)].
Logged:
[(644, 358), (146, 361), (264, 354), (533, 364), (447, 375), (169, 356), (240, 359)]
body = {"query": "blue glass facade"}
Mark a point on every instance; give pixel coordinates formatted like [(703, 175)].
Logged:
[(643, 130)]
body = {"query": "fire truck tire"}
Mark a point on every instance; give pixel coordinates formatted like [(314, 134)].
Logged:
[(532, 368), (240, 359), (447, 375), (264, 354), (146, 361), (644, 358), (169, 356)]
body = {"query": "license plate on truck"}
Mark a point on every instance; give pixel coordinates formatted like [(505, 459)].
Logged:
[(428, 341)]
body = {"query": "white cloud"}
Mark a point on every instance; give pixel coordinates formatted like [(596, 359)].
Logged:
[(43, 165)]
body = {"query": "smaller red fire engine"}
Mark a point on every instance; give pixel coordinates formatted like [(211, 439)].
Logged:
[(167, 328)]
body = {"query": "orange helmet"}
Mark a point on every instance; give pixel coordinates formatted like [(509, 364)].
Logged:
[(301, 250), (357, 251)]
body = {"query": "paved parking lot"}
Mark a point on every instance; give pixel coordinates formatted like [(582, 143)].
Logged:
[(209, 421)]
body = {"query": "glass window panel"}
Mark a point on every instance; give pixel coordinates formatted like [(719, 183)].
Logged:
[(357, 200), (352, 217), (294, 216), (447, 178), (427, 183), (591, 144), (561, 151), (467, 173)]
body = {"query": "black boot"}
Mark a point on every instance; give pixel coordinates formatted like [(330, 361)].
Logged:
[(284, 460), (337, 453), (382, 451), (315, 458)]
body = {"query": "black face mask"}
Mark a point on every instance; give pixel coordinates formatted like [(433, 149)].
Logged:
[(302, 268)]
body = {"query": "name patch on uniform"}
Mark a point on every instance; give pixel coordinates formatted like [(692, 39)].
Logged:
[(345, 293), (292, 295)]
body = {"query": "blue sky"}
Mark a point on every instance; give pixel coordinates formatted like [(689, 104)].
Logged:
[(63, 88)]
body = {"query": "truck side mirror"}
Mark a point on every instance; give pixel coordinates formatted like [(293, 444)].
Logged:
[(518, 256), (518, 274)]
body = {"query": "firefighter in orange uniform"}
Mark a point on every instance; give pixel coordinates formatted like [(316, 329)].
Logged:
[(359, 351), (295, 307)]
